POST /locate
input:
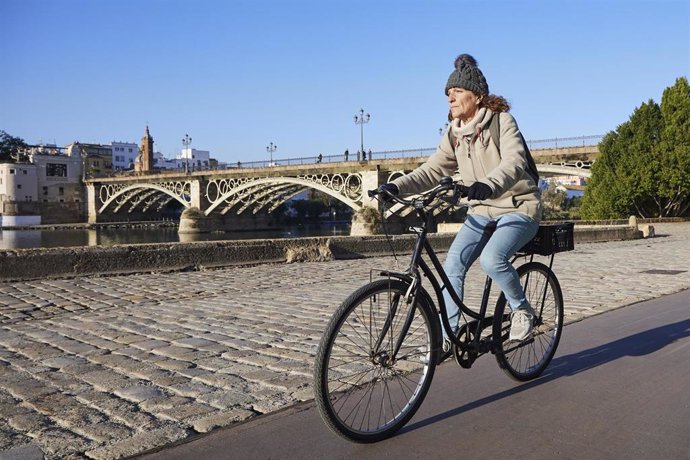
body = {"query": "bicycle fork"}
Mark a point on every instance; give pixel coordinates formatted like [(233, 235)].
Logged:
[(410, 299)]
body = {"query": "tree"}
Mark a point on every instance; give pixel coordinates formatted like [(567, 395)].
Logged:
[(673, 150), (11, 148), (553, 198), (644, 166)]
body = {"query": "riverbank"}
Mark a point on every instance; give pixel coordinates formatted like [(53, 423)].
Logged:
[(96, 225), (27, 264)]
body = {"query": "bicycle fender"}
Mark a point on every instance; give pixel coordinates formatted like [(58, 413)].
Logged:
[(397, 275)]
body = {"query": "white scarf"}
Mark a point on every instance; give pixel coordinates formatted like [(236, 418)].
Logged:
[(480, 119)]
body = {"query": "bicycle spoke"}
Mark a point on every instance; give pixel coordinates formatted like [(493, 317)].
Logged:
[(369, 392), (528, 359)]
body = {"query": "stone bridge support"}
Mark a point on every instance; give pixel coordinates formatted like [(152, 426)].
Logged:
[(371, 180), (193, 219), (366, 220), (91, 204), (198, 188)]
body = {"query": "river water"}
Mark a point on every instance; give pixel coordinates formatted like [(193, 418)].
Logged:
[(22, 239)]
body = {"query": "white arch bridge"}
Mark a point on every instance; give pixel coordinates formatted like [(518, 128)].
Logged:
[(253, 191)]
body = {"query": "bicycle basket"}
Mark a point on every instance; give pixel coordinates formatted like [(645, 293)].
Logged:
[(551, 239)]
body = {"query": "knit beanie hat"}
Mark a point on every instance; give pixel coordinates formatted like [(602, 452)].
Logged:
[(468, 76)]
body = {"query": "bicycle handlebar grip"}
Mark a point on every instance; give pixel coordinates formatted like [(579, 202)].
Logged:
[(372, 193), (446, 180), (461, 189)]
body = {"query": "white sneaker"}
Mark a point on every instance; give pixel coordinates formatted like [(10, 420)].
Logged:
[(521, 323), (446, 350)]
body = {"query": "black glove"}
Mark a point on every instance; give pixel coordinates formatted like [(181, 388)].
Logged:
[(478, 191), (389, 187)]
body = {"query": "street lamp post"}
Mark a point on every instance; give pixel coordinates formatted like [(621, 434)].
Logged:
[(360, 120), (186, 141), (270, 149)]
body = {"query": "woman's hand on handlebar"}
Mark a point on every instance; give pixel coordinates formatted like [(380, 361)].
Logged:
[(459, 190), (478, 191), (387, 192)]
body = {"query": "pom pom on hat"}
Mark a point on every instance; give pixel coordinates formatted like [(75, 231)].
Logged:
[(468, 76), (465, 59)]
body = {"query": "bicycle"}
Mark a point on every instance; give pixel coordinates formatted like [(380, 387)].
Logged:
[(378, 354)]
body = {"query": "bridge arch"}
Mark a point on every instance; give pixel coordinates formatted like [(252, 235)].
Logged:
[(564, 170), (120, 196), (268, 187)]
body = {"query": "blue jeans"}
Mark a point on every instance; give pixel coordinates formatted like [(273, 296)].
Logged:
[(513, 231)]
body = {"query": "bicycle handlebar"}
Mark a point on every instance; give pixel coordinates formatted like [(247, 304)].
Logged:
[(445, 184)]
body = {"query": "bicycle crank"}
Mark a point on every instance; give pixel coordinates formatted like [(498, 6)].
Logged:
[(465, 355)]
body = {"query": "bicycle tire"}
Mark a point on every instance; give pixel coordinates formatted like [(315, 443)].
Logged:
[(527, 360), (362, 394)]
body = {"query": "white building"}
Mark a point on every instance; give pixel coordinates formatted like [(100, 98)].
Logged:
[(18, 188), (160, 162), (195, 159), (45, 149), (18, 182), (569, 180), (124, 155)]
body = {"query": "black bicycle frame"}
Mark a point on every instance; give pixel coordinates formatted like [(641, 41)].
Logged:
[(412, 276), (422, 244)]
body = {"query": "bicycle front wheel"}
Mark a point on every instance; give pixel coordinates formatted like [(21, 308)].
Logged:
[(526, 360), (364, 389)]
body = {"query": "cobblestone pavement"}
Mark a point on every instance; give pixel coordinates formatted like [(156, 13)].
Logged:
[(106, 367)]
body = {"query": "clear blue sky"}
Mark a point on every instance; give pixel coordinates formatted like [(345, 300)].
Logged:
[(237, 75)]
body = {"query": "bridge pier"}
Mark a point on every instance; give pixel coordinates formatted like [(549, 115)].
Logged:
[(91, 204), (367, 220), (193, 218), (197, 201)]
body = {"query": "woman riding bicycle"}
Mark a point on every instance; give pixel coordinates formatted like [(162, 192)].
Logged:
[(501, 191)]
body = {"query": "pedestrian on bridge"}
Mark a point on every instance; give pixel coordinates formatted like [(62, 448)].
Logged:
[(501, 191)]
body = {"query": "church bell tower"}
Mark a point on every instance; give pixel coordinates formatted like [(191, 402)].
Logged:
[(145, 160)]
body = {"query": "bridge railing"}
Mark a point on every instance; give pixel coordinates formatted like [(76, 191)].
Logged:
[(557, 142), (564, 142), (316, 159)]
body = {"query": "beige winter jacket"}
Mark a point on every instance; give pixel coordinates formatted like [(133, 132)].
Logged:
[(469, 151)]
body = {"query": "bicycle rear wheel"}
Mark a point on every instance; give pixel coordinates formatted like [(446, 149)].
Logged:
[(526, 360), (364, 391)]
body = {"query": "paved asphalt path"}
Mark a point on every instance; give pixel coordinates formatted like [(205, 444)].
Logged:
[(617, 388)]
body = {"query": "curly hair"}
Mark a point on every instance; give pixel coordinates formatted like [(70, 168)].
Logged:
[(492, 102), (495, 103)]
